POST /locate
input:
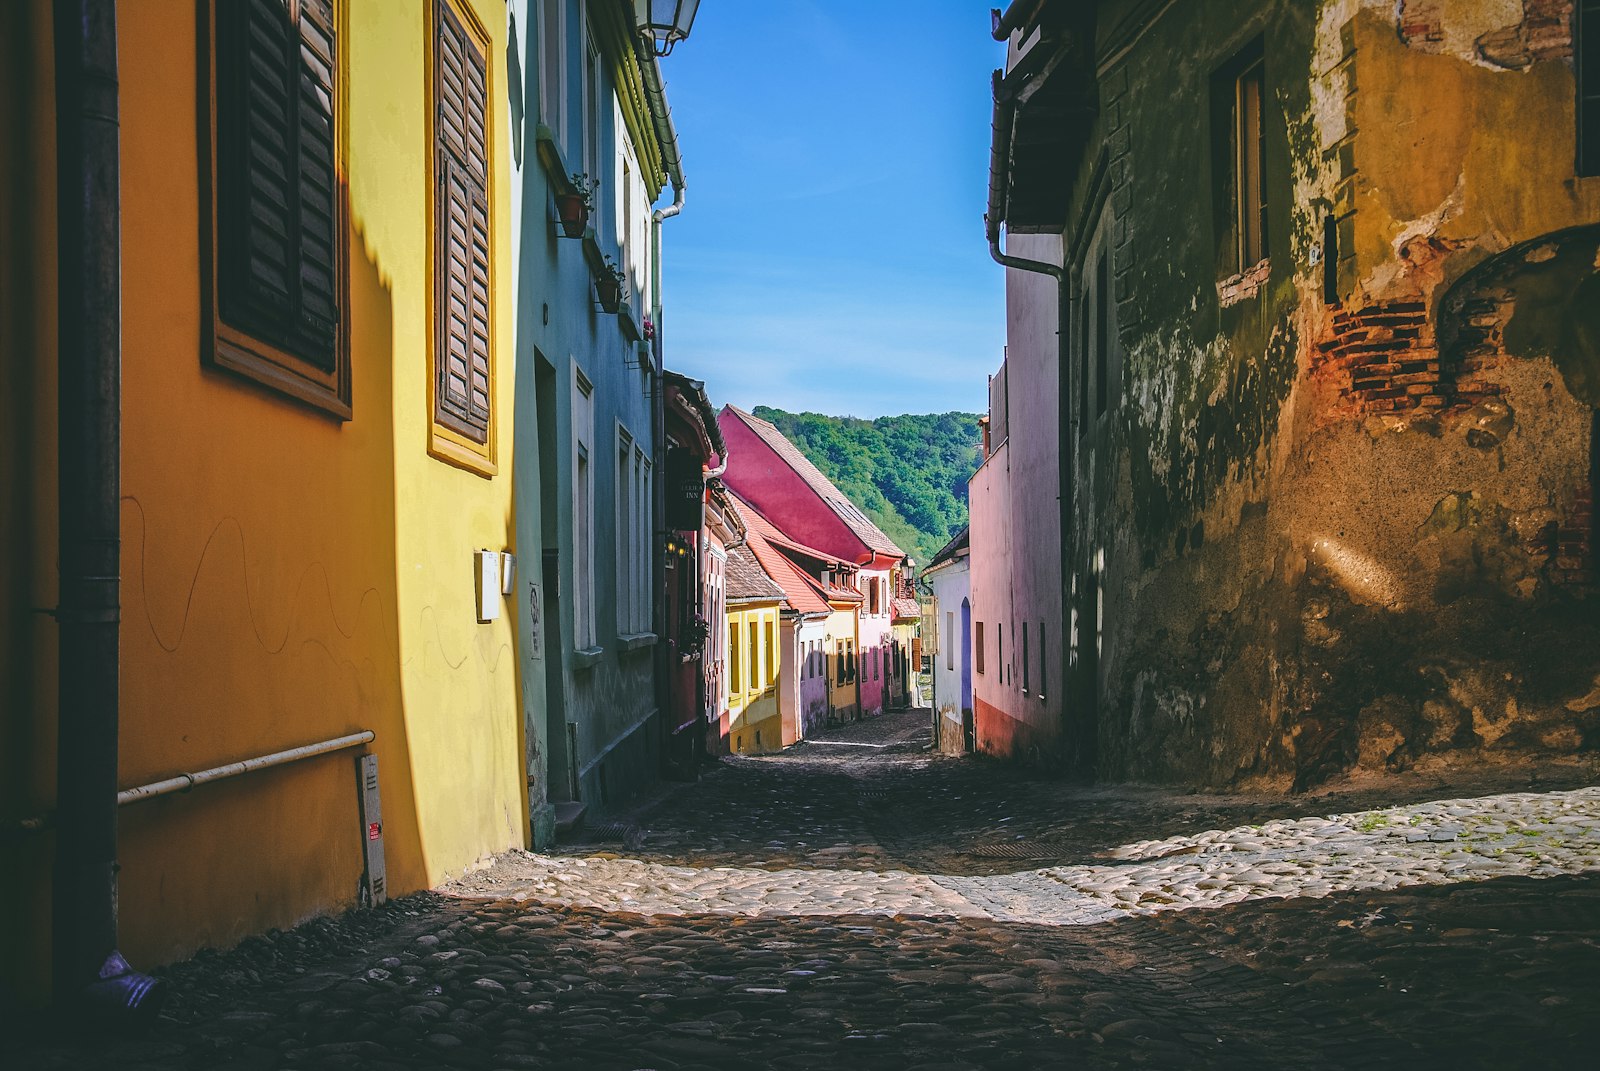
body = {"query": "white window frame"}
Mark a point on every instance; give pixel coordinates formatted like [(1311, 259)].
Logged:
[(593, 92), (553, 68), (583, 615), (626, 581), (634, 528)]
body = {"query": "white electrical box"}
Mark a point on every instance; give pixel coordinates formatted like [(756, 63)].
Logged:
[(508, 573), (487, 572)]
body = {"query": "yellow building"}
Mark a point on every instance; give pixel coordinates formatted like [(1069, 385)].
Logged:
[(315, 441), (754, 600), (844, 650)]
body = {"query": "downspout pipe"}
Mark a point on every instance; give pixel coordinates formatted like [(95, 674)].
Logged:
[(89, 974), (1003, 124), (1003, 25), (667, 136)]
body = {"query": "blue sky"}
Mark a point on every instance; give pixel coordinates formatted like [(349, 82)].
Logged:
[(830, 255)]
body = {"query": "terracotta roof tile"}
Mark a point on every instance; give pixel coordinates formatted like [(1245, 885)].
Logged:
[(781, 547), (747, 581)]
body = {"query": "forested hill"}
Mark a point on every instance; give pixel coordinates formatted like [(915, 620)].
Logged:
[(908, 473)]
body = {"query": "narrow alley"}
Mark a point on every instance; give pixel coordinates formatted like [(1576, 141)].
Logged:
[(860, 901)]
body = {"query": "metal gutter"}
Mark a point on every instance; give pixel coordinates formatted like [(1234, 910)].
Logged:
[(89, 974), (1002, 126), (661, 115), (1004, 25), (695, 390)]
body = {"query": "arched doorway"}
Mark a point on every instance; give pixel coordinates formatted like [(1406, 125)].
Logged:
[(966, 675), (1538, 299)]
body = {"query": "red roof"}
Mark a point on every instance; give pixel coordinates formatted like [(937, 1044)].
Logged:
[(847, 511), (805, 592), (906, 609)]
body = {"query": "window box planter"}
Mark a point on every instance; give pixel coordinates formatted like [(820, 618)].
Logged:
[(610, 285), (574, 213)]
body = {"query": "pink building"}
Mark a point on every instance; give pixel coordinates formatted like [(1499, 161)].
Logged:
[(1019, 633), (771, 473)]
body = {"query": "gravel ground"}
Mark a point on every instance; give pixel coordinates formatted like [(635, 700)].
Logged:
[(858, 902)]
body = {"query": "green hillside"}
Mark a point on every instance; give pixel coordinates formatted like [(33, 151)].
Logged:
[(908, 473)]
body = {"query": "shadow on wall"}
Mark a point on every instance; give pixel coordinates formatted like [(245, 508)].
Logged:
[(259, 606), (27, 480), (280, 630)]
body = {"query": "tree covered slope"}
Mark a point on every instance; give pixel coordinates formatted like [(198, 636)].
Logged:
[(908, 473)]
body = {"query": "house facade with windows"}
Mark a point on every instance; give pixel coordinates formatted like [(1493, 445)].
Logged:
[(1016, 589), (589, 456), (755, 655), (803, 625), (1325, 400), (770, 472), (316, 365), (947, 639)]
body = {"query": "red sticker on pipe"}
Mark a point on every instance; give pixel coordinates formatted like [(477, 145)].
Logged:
[(374, 831)]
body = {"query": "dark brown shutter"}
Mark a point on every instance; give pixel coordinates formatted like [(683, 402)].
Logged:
[(276, 174), (462, 231), (319, 304)]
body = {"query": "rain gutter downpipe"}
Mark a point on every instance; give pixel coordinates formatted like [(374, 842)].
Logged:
[(1005, 117), (1004, 25), (89, 975)]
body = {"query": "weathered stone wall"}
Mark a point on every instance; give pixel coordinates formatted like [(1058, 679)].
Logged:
[(1358, 533)]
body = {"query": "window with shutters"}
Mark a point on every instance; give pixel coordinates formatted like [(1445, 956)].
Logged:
[(462, 379), (274, 210)]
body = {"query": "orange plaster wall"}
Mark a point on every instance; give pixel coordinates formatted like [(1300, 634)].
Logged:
[(287, 578), (259, 593)]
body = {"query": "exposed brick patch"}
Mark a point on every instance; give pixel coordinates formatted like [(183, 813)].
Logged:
[(1572, 541), (1384, 359), (1421, 24), (1544, 33), (1246, 284)]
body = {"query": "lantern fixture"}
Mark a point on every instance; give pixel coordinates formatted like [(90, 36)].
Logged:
[(664, 22)]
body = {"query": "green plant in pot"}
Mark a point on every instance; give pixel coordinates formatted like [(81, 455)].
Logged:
[(575, 204), (611, 285)]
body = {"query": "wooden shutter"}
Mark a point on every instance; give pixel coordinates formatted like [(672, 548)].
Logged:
[(319, 303), (277, 189), (461, 353)]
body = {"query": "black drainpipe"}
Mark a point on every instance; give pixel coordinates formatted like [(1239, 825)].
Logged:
[(89, 974)]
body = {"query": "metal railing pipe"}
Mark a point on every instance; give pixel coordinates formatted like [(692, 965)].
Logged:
[(185, 781)]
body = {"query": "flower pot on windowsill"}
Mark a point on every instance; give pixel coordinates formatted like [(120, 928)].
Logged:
[(609, 294), (574, 210)]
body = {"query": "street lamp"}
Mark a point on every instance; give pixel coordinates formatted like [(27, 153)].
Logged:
[(666, 22)]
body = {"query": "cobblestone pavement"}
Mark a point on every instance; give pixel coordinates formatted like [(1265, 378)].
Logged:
[(847, 904)]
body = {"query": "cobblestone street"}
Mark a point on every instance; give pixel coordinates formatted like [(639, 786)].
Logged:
[(860, 902)]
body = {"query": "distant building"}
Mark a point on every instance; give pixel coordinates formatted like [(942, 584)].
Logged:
[(1303, 299), (948, 578), (723, 529), (803, 688), (836, 581), (771, 473), (754, 655)]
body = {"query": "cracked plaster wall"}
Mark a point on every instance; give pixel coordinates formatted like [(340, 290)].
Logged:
[(1333, 543)]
